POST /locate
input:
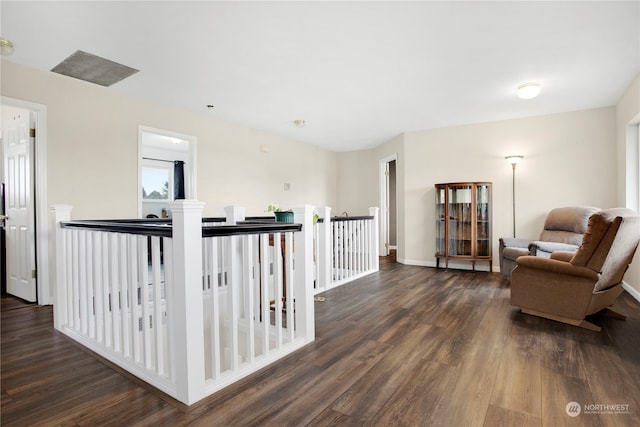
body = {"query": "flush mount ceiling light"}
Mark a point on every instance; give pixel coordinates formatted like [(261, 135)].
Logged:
[(528, 90), (6, 47), (299, 123)]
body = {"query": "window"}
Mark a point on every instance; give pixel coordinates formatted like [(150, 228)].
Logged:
[(156, 183)]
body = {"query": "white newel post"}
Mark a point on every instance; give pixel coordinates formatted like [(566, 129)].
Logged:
[(303, 285), (59, 213), (234, 214), (188, 323), (324, 248), (375, 260)]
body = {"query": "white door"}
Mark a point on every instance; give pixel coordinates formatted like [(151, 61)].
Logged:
[(19, 203)]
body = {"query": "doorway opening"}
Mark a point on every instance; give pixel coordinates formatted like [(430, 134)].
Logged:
[(166, 170), (388, 206)]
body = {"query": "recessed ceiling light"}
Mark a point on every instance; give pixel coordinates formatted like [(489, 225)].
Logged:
[(6, 47), (299, 123), (528, 90)]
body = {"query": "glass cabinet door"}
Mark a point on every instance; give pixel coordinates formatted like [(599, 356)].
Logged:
[(460, 209), (440, 220), (483, 219)]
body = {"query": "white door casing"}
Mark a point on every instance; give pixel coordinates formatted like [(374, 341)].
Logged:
[(384, 203), (188, 148), (19, 199)]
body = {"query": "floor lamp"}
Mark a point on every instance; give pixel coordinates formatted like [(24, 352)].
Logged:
[(514, 160)]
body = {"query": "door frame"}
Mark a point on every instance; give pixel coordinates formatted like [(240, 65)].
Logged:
[(384, 204), (39, 163), (190, 178)]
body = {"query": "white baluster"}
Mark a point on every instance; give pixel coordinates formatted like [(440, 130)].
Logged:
[(113, 291), (247, 262), (290, 279), (98, 262), (216, 353), (124, 292), (82, 282), (138, 279), (278, 284), (156, 317), (264, 292), (375, 261)]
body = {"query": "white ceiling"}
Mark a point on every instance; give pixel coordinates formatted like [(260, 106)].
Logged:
[(359, 73)]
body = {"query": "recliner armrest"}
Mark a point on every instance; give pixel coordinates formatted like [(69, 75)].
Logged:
[(550, 247), (511, 242), (556, 266), (565, 256)]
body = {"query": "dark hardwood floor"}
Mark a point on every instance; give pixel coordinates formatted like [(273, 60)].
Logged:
[(410, 346)]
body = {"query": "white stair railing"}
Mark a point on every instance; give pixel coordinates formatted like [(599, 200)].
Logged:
[(346, 248), (188, 309)]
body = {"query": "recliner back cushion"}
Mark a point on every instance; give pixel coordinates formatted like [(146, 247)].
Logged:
[(567, 224), (599, 237), (621, 253)]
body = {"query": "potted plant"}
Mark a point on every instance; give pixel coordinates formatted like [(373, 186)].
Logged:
[(286, 215), (281, 215)]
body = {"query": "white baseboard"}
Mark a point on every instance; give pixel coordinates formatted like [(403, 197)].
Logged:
[(632, 291), (416, 262)]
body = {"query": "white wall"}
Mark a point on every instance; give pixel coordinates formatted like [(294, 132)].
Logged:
[(628, 159), (93, 151), (569, 159), (359, 181)]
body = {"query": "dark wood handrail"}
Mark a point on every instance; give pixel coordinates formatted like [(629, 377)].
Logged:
[(163, 228), (264, 228), (150, 220), (160, 229), (350, 218)]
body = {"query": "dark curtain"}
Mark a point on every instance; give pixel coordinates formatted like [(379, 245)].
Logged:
[(178, 180)]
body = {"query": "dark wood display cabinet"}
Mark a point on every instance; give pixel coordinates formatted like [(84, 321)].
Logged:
[(463, 222)]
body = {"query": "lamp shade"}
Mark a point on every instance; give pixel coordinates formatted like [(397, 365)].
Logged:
[(514, 159)]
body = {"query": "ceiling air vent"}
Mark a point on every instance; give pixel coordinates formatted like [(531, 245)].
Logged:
[(91, 68)]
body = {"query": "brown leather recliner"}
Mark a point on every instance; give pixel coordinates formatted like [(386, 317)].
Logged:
[(567, 287), (563, 230)]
